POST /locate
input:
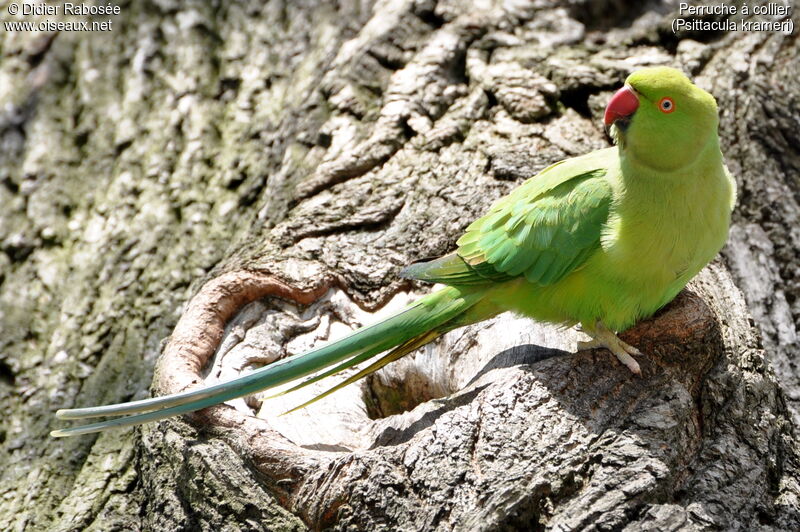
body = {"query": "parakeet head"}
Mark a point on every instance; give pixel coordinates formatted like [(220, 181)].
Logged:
[(661, 118)]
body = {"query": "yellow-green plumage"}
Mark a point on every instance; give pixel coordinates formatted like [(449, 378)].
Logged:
[(603, 240)]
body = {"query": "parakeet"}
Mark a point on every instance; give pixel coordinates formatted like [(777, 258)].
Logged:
[(601, 240)]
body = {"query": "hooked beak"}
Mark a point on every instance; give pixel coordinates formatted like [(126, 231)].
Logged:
[(621, 106)]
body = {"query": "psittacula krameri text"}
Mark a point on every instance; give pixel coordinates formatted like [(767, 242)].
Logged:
[(601, 240)]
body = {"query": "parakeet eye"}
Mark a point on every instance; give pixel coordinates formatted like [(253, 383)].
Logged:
[(666, 105)]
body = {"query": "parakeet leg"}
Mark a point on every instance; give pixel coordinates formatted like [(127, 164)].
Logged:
[(602, 336)]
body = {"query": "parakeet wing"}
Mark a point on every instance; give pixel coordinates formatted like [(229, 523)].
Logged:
[(544, 229)]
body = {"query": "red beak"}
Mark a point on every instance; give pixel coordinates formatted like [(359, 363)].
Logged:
[(622, 105)]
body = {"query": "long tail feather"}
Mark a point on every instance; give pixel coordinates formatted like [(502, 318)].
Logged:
[(420, 317), (398, 352), (273, 369), (356, 360)]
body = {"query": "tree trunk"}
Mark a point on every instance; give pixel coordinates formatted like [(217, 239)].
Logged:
[(288, 160)]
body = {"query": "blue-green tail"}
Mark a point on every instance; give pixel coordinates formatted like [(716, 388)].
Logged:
[(417, 324)]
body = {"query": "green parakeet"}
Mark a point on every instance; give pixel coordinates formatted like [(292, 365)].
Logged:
[(601, 240)]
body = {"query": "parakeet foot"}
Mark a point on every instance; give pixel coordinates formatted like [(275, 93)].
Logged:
[(604, 337)]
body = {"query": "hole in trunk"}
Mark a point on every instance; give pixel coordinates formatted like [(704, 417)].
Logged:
[(392, 399)]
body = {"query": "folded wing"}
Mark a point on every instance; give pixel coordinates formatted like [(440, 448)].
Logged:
[(543, 230)]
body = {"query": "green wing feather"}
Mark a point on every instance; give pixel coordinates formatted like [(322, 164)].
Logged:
[(543, 230)]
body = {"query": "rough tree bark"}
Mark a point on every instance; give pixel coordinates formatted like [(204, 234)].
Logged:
[(222, 153)]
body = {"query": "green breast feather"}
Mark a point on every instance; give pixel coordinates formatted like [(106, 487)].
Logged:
[(543, 230)]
